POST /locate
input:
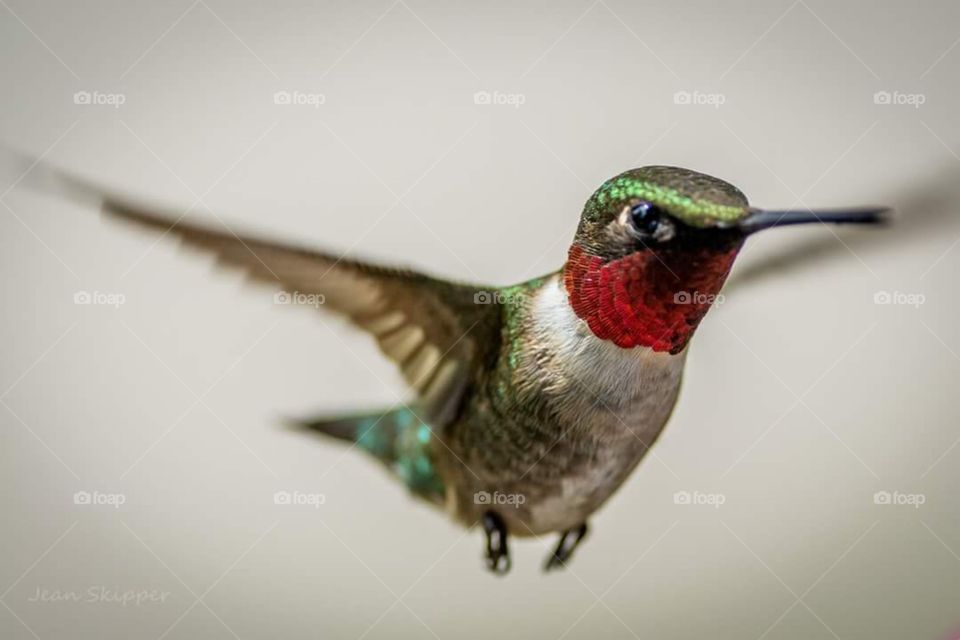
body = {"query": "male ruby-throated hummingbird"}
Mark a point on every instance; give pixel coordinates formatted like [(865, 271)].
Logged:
[(532, 403)]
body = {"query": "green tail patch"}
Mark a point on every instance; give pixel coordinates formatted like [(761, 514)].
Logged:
[(399, 439)]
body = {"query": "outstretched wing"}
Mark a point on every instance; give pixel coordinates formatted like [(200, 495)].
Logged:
[(434, 330)]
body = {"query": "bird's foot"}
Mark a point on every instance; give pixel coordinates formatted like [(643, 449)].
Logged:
[(569, 540), (498, 555)]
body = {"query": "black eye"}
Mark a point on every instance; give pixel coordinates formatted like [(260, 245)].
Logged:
[(649, 221), (645, 217)]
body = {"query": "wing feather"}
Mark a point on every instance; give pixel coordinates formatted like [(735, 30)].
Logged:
[(432, 329)]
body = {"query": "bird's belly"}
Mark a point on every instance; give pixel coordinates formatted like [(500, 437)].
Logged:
[(555, 483), (586, 480)]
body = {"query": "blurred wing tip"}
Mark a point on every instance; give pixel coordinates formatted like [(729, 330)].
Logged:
[(37, 175)]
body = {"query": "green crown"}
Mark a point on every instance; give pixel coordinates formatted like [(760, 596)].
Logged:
[(695, 199)]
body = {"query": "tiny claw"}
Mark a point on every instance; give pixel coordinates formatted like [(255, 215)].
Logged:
[(499, 565), (553, 562), (497, 552), (569, 540)]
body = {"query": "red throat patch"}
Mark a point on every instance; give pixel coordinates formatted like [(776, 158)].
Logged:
[(644, 299)]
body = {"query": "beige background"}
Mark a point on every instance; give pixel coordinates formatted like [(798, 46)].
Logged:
[(802, 398)]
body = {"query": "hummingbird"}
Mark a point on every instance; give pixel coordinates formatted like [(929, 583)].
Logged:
[(530, 404)]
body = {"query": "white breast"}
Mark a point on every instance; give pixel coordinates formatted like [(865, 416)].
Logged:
[(612, 373)]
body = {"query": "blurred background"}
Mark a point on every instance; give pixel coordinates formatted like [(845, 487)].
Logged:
[(817, 432)]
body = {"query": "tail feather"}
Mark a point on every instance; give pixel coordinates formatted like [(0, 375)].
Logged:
[(339, 428), (397, 437), (374, 433)]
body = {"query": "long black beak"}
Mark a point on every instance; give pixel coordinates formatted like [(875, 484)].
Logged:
[(759, 219)]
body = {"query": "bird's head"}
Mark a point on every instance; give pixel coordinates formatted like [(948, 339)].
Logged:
[(656, 244)]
